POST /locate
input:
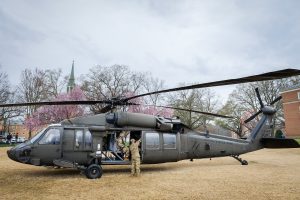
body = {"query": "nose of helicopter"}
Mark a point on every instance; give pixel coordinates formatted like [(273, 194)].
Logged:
[(11, 153), (19, 153)]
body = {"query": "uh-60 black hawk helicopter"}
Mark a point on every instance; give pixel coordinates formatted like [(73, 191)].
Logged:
[(86, 143)]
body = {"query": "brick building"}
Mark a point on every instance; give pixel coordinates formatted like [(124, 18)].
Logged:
[(14, 128), (291, 109)]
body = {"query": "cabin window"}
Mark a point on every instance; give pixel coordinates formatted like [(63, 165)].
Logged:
[(152, 141), (78, 138), (298, 95), (88, 140), (169, 141), (52, 136)]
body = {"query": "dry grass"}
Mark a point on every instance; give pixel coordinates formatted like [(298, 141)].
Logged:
[(271, 174)]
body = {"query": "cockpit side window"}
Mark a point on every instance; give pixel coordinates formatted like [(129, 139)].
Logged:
[(52, 136)]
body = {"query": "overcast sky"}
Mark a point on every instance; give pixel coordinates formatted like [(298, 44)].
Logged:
[(178, 41)]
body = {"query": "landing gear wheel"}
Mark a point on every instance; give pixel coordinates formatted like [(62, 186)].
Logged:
[(93, 171)]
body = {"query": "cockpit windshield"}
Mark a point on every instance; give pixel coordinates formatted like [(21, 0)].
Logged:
[(37, 136)]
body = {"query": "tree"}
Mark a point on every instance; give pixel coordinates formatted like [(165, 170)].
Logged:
[(4, 87), (196, 99), (111, 82), (38, 85), (53, 114), (151, 84), (54, 82), (243, 103), (236, 124), (148, 109), (6, 96)]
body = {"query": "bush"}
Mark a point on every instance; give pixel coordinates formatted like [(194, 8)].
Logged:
[(279, 134)]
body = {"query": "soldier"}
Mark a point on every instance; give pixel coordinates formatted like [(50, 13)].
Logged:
[(122, 145), (135, 157)]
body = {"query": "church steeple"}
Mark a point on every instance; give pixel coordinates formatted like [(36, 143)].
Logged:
[(71, 83)]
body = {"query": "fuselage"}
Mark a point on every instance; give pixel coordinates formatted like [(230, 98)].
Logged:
[(78, 143)]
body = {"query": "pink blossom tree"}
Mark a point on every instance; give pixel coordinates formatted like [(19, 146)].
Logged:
[(56, 113)]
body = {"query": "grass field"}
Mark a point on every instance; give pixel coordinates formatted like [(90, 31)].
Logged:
[(271, 174)]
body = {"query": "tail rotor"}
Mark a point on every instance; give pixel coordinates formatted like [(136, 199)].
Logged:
[(263, 108)]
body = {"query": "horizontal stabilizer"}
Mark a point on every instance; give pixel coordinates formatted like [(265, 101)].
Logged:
[(277, 143)]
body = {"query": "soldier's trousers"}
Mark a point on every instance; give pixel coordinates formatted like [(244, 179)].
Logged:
[(135, 166), (126, 151)]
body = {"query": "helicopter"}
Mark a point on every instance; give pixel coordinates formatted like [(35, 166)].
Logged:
[(86, 143)]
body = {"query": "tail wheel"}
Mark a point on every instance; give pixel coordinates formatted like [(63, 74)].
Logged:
[(93, 171), (244, 162)]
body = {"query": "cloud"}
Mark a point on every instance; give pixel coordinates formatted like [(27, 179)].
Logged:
[(178, 41)]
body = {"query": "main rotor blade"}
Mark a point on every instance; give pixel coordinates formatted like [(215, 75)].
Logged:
[(260, 77), (43, 103), (194, 111)]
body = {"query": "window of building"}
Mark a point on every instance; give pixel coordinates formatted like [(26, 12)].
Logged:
[(152, 141), (169, 141), (52, 136), (298, 95)]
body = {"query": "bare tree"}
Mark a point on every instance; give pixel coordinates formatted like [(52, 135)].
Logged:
[(38, 85), (151, 84), (54, 82), (6, 96), (234, 125), (200, 99), (111, 82), (4, 87), (243, 103)]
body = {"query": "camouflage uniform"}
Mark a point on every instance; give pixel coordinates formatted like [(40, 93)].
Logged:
[(121, 144), (135, 157)]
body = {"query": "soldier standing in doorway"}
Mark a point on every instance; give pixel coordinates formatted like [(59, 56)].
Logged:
[(121, 142), (135, 157)]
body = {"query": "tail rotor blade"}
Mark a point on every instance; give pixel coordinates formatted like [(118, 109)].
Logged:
[(252, 117), (259, 98), (275, 100)]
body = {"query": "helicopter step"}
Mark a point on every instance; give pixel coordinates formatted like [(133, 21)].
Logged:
[(115, 162), (64, 163), (113, 158), (243, 162), (68, 164)]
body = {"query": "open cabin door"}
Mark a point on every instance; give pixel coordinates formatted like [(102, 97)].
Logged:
[(77, 145), (160, 147)]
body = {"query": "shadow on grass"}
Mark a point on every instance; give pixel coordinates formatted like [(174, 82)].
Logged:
[(73, 173), (115, 170)]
